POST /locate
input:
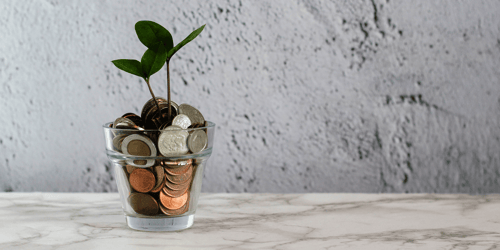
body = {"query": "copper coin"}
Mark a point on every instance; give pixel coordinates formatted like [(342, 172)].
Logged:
[(143, 204), (179, 211), (181, 178), (173, 203), (142, 180), (130, 168), (160, 176), (174, 193), (153, 111), (150, 103), (177, 171), (175, 187), (134, 118), (176, 164), (162, 118), (160, 187)]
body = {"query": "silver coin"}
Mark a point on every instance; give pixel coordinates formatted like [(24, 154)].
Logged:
[(197, 141), (139, 145), (194, 115), (123, 123), (173, 127), (173, 141), (117, 142), (182, 121)]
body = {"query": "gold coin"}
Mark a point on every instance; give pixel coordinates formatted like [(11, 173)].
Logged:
[(197, 141), (194, 115), (139, 145), (143, 204), (182, 121)]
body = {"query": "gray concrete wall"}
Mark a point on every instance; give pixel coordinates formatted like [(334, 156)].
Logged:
[(308, 96)]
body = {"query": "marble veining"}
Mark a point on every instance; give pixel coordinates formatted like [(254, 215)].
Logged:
[(258, 221)]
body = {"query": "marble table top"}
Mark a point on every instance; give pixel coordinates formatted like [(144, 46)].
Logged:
[(258, 221)]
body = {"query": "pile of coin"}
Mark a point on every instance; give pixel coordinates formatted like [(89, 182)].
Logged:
[(160, 186)]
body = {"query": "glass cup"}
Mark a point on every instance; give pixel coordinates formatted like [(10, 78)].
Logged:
[(171, 203)]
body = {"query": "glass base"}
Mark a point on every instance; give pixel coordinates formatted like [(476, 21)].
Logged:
[(160, 224)]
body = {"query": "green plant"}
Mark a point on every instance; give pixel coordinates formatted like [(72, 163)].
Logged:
[(160, 50)]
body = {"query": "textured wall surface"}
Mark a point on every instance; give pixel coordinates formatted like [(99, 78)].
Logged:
[(308, 96)]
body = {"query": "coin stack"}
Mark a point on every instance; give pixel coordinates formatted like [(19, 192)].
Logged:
[(160, 186)]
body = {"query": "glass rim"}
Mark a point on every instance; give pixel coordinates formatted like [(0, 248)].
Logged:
[(106, 126)]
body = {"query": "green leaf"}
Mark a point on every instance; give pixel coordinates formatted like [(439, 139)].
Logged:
[(152, 35), (186, 40), (152, 62), (130, 66)]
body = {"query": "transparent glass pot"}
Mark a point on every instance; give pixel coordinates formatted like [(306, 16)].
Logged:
[(170, 205)]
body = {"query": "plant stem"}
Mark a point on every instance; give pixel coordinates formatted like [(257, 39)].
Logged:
[(153, 95), (168, 91)]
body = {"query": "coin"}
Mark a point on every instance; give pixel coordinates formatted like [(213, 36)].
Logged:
[(177, 187), (117, 142), (139, 145), (174, 193), (181, 178), (176, 164), (143, 204), (137, 120), (173, 203), (177, 170), (149, 104), (150, 111), (130, 168), (173, 142), (182, 121), (161, 186), (197, 141), (194, 115), (124, 123), (179, 211), (142, 180), (164, 108), (173, 127), (160, 176), (155, 121)]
